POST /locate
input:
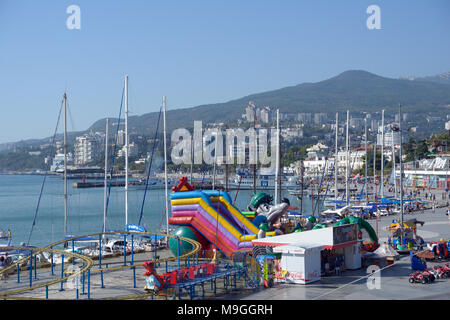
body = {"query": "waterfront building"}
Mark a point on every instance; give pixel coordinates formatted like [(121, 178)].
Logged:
[(425, 173), (58, 162), (87, 149)]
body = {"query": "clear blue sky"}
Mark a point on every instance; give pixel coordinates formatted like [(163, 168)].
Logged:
[(197, 52)]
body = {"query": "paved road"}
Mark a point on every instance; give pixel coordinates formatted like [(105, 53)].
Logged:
[(394, 279)]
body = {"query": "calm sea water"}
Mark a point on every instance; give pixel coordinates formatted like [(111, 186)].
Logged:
[(19, 195)]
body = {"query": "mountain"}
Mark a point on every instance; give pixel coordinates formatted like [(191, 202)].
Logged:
[(439, 78), (355, 90)]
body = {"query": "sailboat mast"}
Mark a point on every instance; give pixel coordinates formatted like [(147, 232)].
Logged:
[(365, 150), (393, 164), (65, 164), (382, 155), (277, 161), (401, 164), (336, 161), (347, 160), (375, 169), (106, 173), (126, 150), (165, 164)]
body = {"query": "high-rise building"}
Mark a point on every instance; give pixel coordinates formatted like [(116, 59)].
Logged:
[(265, 115), (87, 149), (320, 118), (305, 118), (121, 137)]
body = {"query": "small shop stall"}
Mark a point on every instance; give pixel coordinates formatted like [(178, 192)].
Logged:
[(340, 249), (299, 263)]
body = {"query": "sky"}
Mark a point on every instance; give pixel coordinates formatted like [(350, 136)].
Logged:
[(197, 52)]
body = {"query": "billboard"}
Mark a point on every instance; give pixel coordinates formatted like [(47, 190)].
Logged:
[(345, 233)]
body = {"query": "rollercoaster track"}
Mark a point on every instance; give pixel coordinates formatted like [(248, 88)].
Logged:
[(88, 263)]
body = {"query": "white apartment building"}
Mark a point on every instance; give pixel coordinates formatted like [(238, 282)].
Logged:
[(388, 136), (86, 149), (132, 150), (289, 134), (316, 165)]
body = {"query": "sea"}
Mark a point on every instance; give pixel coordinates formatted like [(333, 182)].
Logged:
[(36, 218)]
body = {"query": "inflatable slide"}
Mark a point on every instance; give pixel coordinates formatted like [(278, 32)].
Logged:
[(212, 214)]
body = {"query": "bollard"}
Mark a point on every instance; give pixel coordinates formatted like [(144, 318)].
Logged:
[(46, 292), (18, 273)]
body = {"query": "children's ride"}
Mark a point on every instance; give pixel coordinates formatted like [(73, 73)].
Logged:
[(209, 217), (153, 282)]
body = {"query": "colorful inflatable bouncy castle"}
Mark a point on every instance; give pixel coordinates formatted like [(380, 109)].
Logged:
[(212, 218)]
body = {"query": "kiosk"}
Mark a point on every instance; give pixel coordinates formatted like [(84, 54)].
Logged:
[(300, 263)]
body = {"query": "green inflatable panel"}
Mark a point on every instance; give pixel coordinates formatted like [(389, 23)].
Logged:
[(319, 226), (260, 197), (363, 224), (184, 246)]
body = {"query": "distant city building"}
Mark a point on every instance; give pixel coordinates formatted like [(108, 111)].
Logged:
[(288, 117), (121, 137), (251, 111), (374, 124), (316, 151), (305, 118), (388, 136), (356, 160), (87, 149), (357, 122), (404, 117), (447, 126), (132, 151), (432, 119), (320, 118), (58, 162), (265, 115), (290, 134)]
